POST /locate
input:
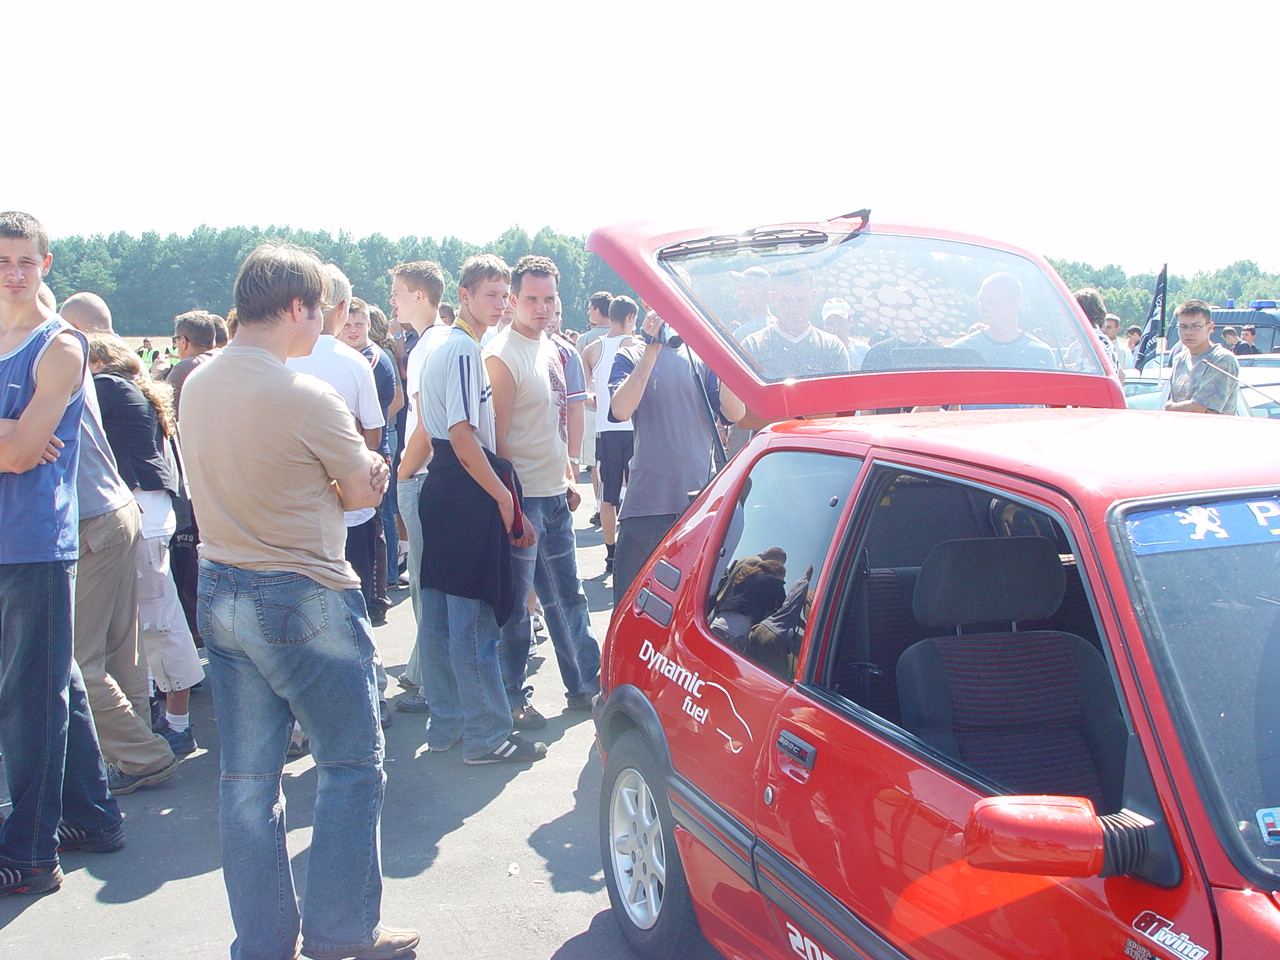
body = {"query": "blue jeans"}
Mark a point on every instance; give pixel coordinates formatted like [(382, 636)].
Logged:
[(390, 507), (551, 567), (461, 678), (282, 646), (407, 493), (51, 758)]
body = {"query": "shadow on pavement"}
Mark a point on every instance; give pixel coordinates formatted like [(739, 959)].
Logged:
[(602, 940), (570, 843), (430, 795)]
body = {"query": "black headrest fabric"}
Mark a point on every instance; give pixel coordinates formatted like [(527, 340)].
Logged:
[(993, 580)]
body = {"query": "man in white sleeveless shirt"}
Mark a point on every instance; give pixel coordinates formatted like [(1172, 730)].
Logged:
[(614, 439)]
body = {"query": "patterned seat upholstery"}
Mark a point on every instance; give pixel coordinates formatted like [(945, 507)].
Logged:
[(1035, 711)]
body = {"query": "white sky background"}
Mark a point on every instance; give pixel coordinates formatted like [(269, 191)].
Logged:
[(1087, 131)]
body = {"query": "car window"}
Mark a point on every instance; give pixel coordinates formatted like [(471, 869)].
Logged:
[(774, 549), (1206, 575), (962, 616), (1137, 386), (811, 306)]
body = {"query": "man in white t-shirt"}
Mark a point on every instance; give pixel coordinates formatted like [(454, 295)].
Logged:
[(1111, 330), (531, 411), (349, 373), (791, 346), (416, 290)]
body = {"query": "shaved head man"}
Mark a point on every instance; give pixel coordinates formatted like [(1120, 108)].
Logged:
[(87, 312), (47, 298)]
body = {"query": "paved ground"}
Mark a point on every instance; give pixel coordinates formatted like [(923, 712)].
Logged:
[(489, 862)]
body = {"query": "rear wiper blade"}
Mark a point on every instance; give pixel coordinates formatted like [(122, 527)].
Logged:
[(751, 240)]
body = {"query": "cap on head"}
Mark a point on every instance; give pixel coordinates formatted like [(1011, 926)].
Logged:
[(837, 307)]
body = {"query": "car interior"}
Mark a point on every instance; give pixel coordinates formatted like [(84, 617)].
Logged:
[(964, 621)]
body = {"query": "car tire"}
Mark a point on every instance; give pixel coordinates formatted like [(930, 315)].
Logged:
[(642, 869)]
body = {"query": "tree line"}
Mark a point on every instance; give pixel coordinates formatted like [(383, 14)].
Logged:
[(1129, 297), (148, 280)]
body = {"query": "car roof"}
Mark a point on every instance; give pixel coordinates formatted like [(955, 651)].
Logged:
[(1097, 456), (883, 275)]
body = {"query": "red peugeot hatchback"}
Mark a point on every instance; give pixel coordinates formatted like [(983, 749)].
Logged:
[(1000, 680)]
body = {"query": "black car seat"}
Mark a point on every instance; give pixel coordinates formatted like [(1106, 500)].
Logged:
[(1034, 710)]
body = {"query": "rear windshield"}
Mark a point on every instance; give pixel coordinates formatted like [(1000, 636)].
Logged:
[(817, 305)]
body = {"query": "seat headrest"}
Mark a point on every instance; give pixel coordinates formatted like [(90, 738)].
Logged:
[(993, 580)]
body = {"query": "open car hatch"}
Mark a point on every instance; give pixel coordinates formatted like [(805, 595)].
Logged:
[(806, 319)]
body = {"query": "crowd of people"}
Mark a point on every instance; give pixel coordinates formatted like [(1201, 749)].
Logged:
[(255, 488)]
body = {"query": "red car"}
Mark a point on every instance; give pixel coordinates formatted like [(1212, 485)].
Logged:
[(992, 681)]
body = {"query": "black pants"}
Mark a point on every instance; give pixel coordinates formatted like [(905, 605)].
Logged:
[(367, 554), (637, 537)]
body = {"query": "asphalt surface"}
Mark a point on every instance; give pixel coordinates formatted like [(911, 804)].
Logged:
[(497, 862)]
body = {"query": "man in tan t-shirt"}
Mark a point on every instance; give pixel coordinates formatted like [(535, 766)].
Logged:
[(273, 459), (530, 411)]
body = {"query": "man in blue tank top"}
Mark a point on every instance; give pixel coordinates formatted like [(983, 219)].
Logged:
[(52, 762)]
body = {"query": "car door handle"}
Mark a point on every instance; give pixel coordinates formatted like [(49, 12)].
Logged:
[(802, 753)]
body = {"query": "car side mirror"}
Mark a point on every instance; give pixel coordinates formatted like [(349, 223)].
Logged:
[(1065, 837), (1054, 836)]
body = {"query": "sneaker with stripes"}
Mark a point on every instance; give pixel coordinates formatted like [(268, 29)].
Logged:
[(514, 749), (71, 837), (30, 879)]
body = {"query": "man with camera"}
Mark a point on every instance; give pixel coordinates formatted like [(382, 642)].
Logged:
[(675, 404)]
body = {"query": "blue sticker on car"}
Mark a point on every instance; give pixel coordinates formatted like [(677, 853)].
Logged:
[(1200, 526), (1269, 824)]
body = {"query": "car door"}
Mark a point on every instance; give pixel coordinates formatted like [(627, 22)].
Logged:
[(860, 827), (733, 658)]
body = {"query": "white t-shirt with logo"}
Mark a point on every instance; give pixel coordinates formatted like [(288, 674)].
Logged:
[(454, 387)]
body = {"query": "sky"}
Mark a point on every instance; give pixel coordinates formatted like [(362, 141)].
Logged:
[(1090, 131)]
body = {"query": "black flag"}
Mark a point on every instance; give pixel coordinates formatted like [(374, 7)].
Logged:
[(1153, 329)]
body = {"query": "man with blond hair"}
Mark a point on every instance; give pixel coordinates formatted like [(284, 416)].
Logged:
[(349, 373), (289, 634)]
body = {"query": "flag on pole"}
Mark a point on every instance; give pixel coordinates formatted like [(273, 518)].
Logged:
[(1153, 329)]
